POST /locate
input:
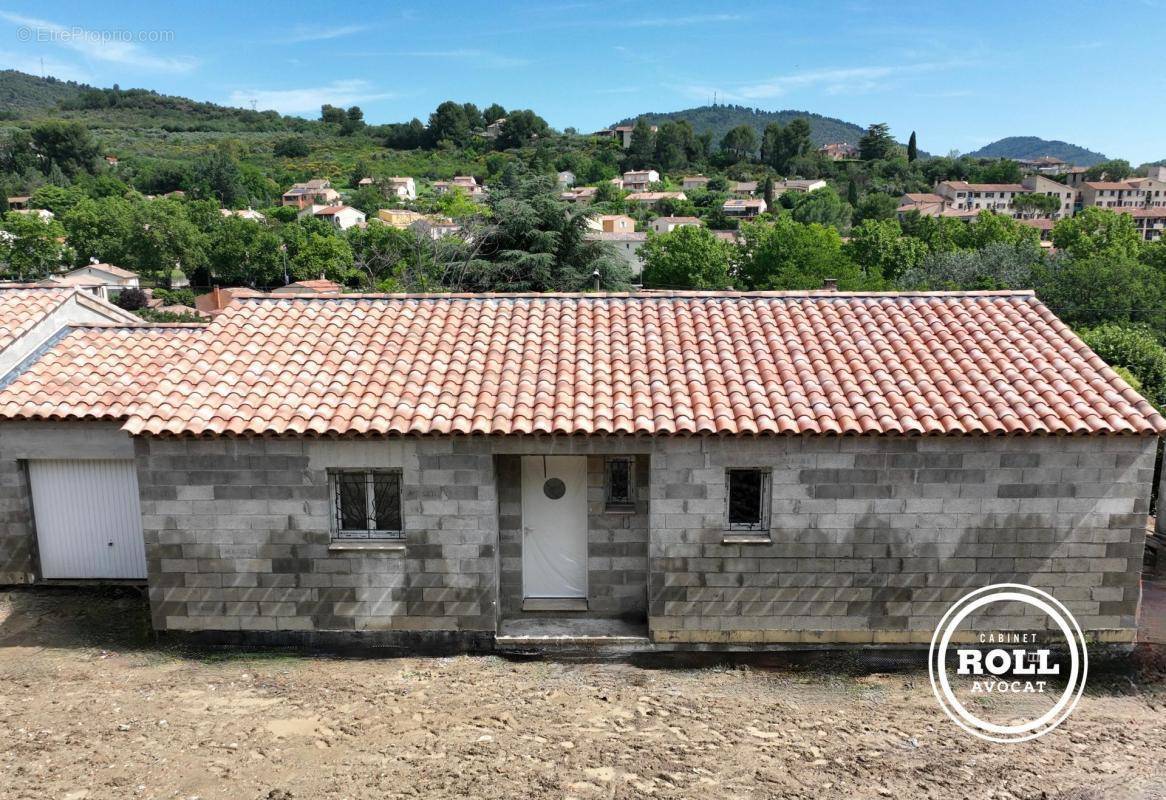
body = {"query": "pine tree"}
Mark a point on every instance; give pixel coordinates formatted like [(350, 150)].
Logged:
[(852, 193), (912, 148)]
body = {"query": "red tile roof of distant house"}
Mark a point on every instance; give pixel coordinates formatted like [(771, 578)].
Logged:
[(686, 363)]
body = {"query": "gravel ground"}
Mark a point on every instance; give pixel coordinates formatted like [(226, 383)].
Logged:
[(89, 708)]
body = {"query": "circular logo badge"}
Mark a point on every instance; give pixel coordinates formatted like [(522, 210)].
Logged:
[(1011, 667)]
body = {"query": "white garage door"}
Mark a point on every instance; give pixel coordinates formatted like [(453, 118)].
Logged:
[(88, 521)]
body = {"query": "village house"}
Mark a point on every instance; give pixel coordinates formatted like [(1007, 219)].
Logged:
[(669, 224), (639, 180), (401, 187), (1047, 165), (694, 182), (249, 214), (654, 198), (101, 280), (18, 202), (1001, 197), (579, 194), (743, 208), (626, 245), (399, 218), (752, 482), (565, 179), (927, 204), (611, 223), (743, 188), (465, 183), (343, 217), (436, 227), (837, 151), (314, 192), (494, 129), (365, 181), (798, 185), (111, 160)]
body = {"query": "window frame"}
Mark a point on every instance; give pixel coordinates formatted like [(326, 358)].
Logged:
[(371, 533), (766, 491), (619, 505)]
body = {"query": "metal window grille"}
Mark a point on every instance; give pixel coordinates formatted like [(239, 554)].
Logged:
[(367, 504), (620, 483), (748, 500)]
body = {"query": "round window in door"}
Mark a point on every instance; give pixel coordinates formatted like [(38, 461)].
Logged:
[(554, 488)]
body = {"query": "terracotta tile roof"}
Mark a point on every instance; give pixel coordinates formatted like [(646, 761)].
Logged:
[(691, 363), (95, 372), (21, 309)]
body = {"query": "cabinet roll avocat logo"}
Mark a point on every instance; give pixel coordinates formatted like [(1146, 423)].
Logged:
[(1008, 662)]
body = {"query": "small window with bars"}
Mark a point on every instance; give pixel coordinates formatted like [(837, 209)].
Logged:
[(620, 483), (748, 502), (366, 504)]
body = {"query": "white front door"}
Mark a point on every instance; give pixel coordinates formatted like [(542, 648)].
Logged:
[(88, 519), (554, 526)]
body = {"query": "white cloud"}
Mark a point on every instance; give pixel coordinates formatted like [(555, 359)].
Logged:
[(842, 80), (677, 22), (117, 46), (304, 34), (292, 101), (482, 58)]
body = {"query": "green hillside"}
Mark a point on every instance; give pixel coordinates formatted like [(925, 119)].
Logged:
[(1027, 147), (720, 119), (22, 93)]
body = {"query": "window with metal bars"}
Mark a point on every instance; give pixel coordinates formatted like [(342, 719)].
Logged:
[(366, 504), (620, 483)]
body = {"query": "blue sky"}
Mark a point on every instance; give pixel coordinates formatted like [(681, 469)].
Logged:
[(961, 74)]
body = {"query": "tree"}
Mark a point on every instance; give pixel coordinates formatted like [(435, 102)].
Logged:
[(241, 252), (822, 206), (675, 143), (538, 243), (292, 147), (877, 143), (1095, 231), (912, 148), (688, 257), (352, 122), (56, 199), (315, 250), (1036, 203), (30, 248), (998, 265), (66, 146), (332, 115), (875, 205), (1136, 349), (768, 192), (448, 123), (852, 192), (522, 126), (164, 239), (785, 254), (1106, 287), (131, 299), (1117, 169), (881, 250), (989, 227), (781, 146), (493, 113), (103, 229), (217, 175), (642, 148), (739, 142)]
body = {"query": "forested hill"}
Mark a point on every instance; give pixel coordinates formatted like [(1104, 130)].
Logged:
[(20, 92), (720, 119), (1029, 147)]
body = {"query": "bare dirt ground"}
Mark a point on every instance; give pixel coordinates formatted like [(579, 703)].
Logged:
[(90, 708)]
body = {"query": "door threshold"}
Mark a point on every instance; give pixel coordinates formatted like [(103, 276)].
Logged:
[(554, 604)]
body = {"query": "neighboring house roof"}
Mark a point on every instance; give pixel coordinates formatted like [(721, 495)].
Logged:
[(924, 197), (986, 187), (328, 211), (653, 196), (95, 372), (616, 236), (310, 286), (687, 363), (1109, 185), (678, 220), (23, 307), (110, 269)]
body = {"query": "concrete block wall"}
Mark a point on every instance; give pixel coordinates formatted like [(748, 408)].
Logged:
[(617, 544), (16, 531), (238, 537), (872, 538)]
